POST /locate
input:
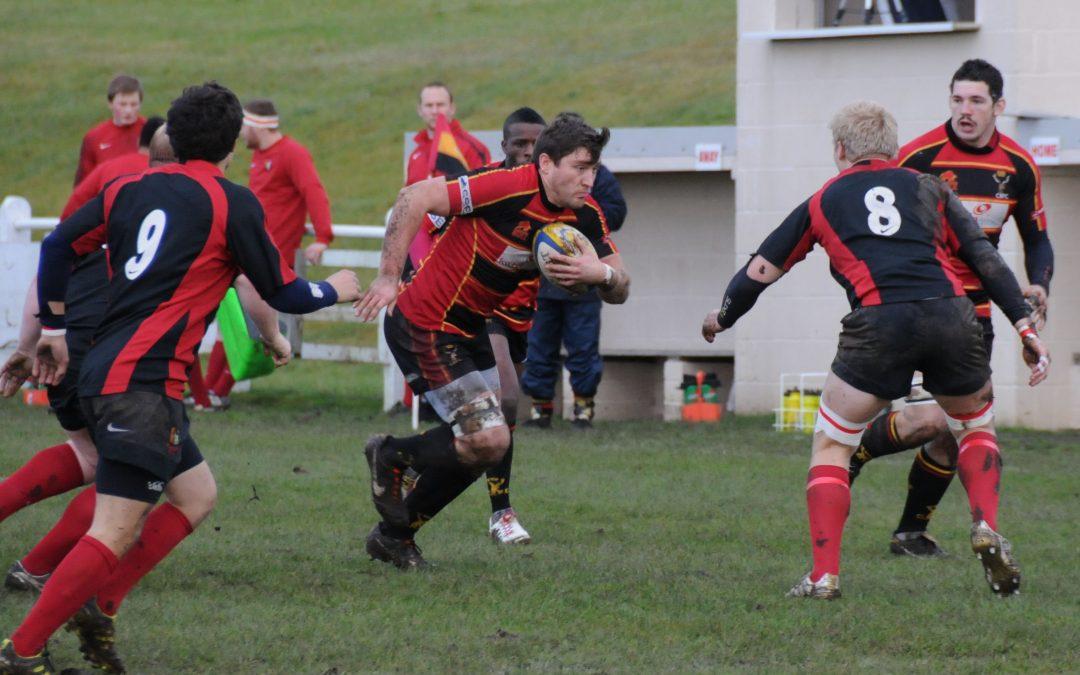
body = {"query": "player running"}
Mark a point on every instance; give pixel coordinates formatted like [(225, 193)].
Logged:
[(177, 236), (889, 233), (435, 324), (995, 179)]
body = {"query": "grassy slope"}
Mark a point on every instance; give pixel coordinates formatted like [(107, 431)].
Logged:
[(657, 547), (345, 74)]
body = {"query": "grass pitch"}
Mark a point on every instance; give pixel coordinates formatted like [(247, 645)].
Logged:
[(657, 547)]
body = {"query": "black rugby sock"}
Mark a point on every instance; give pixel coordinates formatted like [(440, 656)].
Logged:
[(927, 483), (498, 480), (436, 487), (879, 440), (434, 447)]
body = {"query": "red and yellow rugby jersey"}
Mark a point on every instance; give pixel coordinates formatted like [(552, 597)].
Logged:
[(486, 250), (994, 183)]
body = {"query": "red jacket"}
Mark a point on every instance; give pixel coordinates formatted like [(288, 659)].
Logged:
[(476, 153), (94, 183), (284, 179), (106, 141)]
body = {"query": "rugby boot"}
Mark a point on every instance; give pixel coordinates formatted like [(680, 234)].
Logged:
[(13, 664), (96, 631), (995, 553), (916, 545), (403, 554), (387, 477), (825, 588), (540, 416), (505, 528), (18, 579), (584, 410)]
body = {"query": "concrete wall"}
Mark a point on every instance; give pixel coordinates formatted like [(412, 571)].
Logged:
[(786, 92)]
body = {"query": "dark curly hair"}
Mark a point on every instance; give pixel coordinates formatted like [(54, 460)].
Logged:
[(977, 70), (566, 133), (204, 123)]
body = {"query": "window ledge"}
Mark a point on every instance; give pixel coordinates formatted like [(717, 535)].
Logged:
[(866, 31)]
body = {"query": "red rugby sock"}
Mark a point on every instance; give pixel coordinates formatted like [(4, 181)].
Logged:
[(979, 466), (216, 365), (197, 384), (165, 527), (73, 583), (828, 500), (224, 384), (50, 472), (47, 554)]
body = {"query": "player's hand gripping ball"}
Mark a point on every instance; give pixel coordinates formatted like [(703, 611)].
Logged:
[(564, 239)]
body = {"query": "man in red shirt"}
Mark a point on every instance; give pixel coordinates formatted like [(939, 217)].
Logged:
[(284, 179), (436, 99), (118, 135), (133, 162)]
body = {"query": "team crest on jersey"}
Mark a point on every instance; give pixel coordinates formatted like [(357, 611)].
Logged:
[(1002, 179), (522, 230), (952, 180)]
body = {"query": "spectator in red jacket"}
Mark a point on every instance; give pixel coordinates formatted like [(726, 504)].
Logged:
[(436, 99), (284, 179), (116, 136), (133, 162)]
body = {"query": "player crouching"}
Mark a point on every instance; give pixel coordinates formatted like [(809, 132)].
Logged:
[(887, 232)]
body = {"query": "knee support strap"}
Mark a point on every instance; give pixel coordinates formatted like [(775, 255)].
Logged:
[(838, 428), (979, 418), (477, 415)]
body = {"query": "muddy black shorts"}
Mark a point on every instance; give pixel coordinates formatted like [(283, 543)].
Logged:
[(142, 440), (449, 370), (881, 347), (517, 340)]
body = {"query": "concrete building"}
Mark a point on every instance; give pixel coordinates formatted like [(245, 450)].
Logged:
[(793, 73)]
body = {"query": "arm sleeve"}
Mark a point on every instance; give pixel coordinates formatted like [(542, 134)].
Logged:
[(1030, 220), (484, 188), (608, 195), (82, 233), (592, 223), (263, 264), (84, 191), (741, 294), (85, 165), (789, 243), (979, 254), (306, 179)]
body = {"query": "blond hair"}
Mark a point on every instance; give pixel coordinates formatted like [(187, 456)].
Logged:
[(865, 128)]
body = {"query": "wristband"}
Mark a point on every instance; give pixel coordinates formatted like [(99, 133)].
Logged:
[(53, 332), (609, 274), (1027, 333)]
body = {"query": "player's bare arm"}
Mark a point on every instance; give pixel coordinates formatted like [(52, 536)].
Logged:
[(265, 317), (413, 202), (740, 296), (19, 366)]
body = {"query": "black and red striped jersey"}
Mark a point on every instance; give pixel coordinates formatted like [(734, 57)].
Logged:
[(176, 236), (486, 250), (994, 183), (883, 230)]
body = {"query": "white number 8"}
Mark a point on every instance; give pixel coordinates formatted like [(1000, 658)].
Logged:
[(146, 245), (884, 218)]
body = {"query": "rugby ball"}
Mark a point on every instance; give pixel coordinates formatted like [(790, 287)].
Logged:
[(563, 239)]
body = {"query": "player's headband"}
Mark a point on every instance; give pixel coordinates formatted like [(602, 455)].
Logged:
[(260, 121)]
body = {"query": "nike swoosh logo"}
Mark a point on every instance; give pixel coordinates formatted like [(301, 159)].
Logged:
[(105, 146), (115, 429)]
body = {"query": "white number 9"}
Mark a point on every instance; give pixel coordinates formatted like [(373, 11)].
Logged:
[(884, 218), (146, 244)]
